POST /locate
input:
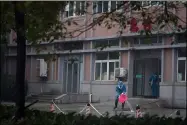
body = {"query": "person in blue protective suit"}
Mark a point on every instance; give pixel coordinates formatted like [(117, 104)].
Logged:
[(120, 88), (154, 83)]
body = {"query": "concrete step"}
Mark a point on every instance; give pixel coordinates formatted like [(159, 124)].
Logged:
[(69, 98), (73, 98)]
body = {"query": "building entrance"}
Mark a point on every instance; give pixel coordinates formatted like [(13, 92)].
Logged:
[(143, 69)]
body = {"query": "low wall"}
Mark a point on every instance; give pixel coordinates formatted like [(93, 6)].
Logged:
[(173, 95), (37, 88)]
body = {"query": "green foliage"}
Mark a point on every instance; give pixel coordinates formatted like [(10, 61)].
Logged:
[(41, 20), (35, 117)]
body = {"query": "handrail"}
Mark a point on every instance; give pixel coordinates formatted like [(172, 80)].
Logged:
[(57, 98), (58, 107)]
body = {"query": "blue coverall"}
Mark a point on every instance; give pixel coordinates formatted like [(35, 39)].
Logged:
[(120, 88), (154, 80)]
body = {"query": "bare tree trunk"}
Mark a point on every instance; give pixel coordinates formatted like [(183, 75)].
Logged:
[(1, 64), (21, 53)]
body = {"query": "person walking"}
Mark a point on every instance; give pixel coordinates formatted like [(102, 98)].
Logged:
[(120, 89)]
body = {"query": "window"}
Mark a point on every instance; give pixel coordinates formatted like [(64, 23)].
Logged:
[(100, 6), (181, 38), (145, 4), (106, 6), (151, 3), (105, 65), (73, 46), (106, 43), (182, 64), (144, 40), (69, 46), (75, 8), (181, 74), (116, 5)]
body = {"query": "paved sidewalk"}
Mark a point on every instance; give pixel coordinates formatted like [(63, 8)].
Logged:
[(103, 108)]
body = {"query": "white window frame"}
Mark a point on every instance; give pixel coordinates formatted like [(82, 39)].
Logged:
[(150, 5), (158, 39), (106, 61), (109, 7), (142, 2), (179, 59), (108, 42), (97, 7), (74, 8)]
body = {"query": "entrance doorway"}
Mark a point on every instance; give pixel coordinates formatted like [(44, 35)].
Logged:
[(143, 69), (71, 77)]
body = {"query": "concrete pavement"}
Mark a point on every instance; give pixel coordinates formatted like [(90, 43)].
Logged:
[(103, 108)]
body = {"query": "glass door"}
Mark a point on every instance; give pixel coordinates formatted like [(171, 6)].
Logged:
[(71, 77), (139, 73)]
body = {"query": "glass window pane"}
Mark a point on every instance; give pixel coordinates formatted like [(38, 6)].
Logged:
[(136, 41), (94, 7), (100, 43), (181, 70), (114, 42), (104, 71), (83, 4), (100, 6), (120, 3), (160, 39), (111, 71), (113, 55), (116, 64), (97, 71), (105, 6), (71, 8), (160, 2), (113, 5), (101, 56), (181, 38), (153, 39), (147, 40), (77, 11), (69, 80), (182, 52)]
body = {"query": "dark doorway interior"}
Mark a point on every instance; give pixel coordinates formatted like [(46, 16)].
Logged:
[(143, 69)]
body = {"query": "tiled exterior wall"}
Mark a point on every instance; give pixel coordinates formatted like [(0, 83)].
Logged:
[(124, 59), (168, 65)]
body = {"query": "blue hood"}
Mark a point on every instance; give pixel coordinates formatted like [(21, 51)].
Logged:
[(120, 84)]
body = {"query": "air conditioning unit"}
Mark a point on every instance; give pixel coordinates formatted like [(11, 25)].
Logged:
[(43, 68), (121, 72)]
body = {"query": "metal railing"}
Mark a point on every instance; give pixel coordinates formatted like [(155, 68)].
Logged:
[(57, 98)]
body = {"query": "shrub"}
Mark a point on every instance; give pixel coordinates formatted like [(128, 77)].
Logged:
[(8, 88), (35, 117)]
